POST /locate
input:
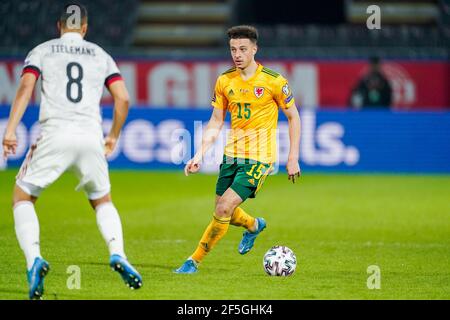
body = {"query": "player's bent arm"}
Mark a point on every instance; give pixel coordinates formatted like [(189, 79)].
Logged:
[(211, 132), (293, 117), (121, 98), (19, 105)]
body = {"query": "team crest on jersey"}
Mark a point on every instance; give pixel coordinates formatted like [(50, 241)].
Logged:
[(259, 91)]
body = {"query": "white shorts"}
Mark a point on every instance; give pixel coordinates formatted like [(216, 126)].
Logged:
[(61, 148)]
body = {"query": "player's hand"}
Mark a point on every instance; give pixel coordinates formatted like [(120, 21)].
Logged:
[(192, 166), (293, 170), (110, 144), (9, 144)]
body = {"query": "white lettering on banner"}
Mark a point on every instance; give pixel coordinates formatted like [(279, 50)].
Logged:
[(213, 157), (403, 87), (138, 141), (190, 84), (168, 137), (170, 142), (168, 85), (181, 150), (328, 137)]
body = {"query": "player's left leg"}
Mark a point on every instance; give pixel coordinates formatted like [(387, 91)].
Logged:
[(248, 181), (45, 162), (26, 225)]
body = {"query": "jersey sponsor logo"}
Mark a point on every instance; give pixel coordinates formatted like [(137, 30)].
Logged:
[(286, 90), (243, 91), (259, 91)]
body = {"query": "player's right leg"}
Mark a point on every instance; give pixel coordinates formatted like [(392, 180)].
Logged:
[(110, 226), (92, 170), (215, 231), (218, 225)]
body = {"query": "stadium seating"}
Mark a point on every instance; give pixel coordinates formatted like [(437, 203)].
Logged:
[(195, 29)]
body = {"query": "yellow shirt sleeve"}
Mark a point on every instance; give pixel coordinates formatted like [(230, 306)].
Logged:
[(282, 93), (219, 99)]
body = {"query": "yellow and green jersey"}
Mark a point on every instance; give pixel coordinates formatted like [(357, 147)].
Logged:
[(253, 105)]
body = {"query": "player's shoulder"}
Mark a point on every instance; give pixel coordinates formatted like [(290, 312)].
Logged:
[(273, 77), (44, 45), (270, 73), (97, 48), (228, 74)]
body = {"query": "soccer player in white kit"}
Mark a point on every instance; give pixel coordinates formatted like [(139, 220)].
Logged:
[(73, 73)]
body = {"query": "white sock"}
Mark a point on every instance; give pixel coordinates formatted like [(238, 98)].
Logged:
[(110, 227), (27, 230)]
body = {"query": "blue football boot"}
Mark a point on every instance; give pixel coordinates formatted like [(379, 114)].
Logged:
[(36, 277), (128, 273), (188, 267), (248, 239)]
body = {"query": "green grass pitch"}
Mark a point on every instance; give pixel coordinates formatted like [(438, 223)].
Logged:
[(337, 225)]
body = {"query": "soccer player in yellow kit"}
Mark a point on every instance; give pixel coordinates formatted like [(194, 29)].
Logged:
[(252, 94)]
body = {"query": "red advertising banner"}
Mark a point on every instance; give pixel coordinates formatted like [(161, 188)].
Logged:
[(316, 84)]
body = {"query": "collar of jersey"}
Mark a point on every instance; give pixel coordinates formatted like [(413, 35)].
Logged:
[(258, 70), (72, 36)]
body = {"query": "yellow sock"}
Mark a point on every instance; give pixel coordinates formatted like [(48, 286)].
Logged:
[(213, 233), (242, 219)]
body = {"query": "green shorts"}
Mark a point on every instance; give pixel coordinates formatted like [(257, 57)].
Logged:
[(244, 176)]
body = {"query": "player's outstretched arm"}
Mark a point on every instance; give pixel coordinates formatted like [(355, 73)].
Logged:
[(121, 98), (210, 134), (292, 167), (19, 105)]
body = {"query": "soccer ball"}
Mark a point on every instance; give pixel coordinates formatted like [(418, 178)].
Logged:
[(279, 261)]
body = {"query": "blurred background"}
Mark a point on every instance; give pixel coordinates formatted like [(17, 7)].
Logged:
[(372, 99)]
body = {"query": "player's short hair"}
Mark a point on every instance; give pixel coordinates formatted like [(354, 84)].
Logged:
[(243, 32), (66, 14)]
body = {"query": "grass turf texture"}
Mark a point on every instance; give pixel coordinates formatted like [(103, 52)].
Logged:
[(337, 225)]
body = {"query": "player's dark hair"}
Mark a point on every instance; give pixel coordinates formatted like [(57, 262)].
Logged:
[(66, 15), (243, 32)]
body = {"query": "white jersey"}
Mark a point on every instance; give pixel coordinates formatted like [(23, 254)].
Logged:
[(73, 73)]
